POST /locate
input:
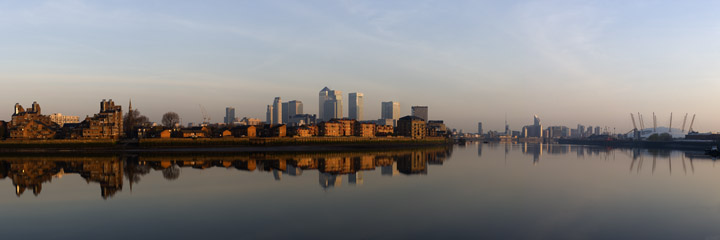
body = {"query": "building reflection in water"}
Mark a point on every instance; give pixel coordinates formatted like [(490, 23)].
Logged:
[(32, 174), (642, 159), (27, 173)]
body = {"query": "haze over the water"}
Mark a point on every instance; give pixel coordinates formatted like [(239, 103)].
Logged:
[(570, 62)]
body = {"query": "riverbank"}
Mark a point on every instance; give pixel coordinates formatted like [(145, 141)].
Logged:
[(220, 144)]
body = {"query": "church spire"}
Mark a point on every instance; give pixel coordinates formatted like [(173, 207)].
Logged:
[(130, 105)]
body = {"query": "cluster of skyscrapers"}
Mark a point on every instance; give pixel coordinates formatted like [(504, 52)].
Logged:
[(330, 106), (536, 130)]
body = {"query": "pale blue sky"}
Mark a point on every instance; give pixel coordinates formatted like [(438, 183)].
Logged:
[(589, 62)]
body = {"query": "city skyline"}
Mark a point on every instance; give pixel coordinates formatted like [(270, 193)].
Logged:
[(587, 62)]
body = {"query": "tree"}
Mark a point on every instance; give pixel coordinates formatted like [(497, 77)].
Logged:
[(132, 121), (171, 173), (170, 119)]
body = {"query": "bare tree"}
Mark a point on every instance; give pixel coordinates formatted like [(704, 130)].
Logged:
[(132, 121), (170, 119)]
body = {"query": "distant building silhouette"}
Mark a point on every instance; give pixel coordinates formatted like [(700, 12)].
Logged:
[(421, 112), (355, 108), (330, 104), (277, 111), (229, 115)]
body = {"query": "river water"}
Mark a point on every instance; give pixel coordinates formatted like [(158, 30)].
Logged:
[(497, 191)]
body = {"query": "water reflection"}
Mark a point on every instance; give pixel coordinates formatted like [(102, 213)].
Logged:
[(640, 158), (108, 171)]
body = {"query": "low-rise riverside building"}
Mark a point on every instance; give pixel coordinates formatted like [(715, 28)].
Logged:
[(61, 119), (384, 130), (330, 129), (412, 126), (365, 129), (196, 132), (244, 131), (107, 124), (31, 124)]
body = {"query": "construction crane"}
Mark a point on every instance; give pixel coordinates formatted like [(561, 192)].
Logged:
[(633, 120), (206, 117), (691, 124), (684, 120)]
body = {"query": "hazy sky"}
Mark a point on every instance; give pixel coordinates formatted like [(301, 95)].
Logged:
[(570, 62)]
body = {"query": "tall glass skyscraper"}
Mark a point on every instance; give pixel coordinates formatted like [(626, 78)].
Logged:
[(229, 115), (330, 104), (355, 108)]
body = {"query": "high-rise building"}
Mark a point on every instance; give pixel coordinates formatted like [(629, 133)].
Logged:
[(355, 108), (229, 115), (480, 130), (269, 114), (390, 110), (285, 113), (330, 104), (277, 111), (421, 112), (534, 130), (291, 109)]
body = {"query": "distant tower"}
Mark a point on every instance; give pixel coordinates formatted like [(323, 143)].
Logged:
[(421, 112), (480, 130), (277, 111), (330, 104), (229, 115), (355, 108), (269, 114), (323, 96), (390, 110)]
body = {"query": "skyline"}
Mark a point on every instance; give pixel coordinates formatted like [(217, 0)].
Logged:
[(587, 62)]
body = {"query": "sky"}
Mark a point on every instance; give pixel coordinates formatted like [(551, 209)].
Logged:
[(570, 62)]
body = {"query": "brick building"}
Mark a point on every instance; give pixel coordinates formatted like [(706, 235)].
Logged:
[(364, 129), (31, 124), (106, 124), (412, 126)]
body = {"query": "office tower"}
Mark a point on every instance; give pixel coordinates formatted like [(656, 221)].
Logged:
[(580, 131), (277, 111), (480, 130), (285, 113), (534, 130), (421, 112), (269, 114), (390, 110), (355, 108), (330, 104), (229, 115), (295, 107), (597, 130)]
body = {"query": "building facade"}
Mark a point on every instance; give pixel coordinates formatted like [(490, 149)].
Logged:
[(390, 110), (330, 104), (269, 114), (31, 124), (355, 106), (229, 115), (421, 112), (412, 126), (62, 119), (277, 111)]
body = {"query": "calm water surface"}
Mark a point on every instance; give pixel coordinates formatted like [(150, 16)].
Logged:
[(520, 191)]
